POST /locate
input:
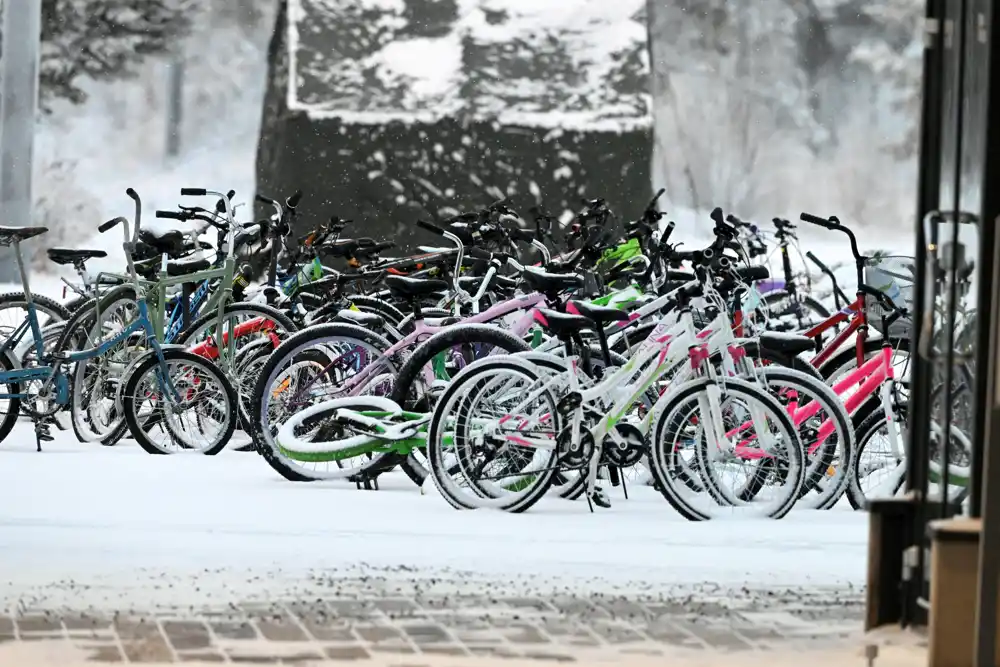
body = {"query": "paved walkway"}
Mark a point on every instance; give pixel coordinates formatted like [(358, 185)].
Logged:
[(423, 622)]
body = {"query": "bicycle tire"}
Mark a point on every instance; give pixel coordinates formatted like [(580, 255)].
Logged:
[(289, 348), (674, 401), (14, 403), (464, 382), (425, 352), (79, 325), (820, 463), (129, 405)]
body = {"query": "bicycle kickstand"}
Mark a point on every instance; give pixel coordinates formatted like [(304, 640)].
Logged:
[(42, 433)]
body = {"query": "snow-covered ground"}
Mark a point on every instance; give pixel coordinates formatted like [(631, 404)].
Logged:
[(83, 524)]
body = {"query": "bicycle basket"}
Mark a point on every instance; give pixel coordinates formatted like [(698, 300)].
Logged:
[(892, 275)]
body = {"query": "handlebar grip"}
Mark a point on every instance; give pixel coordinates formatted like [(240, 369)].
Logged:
[(294, 200), (816, 220), (433, 229), (478, 253), (384, 245), (105, 226), (815, 260), (716, 215), (172, 215), (132, 193), (668, 231), (263, 200), (193, 192)]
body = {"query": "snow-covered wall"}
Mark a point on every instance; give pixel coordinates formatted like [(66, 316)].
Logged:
[(389, 110)]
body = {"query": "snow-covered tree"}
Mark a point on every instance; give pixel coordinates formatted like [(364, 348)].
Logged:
[(895, 59), (103, 39)]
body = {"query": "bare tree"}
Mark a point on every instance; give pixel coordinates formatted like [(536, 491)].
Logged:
[(103, 39)]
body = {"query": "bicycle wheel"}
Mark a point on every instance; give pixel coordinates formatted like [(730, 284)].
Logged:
[(14, 310), (311, 366), (824, 427), (479, 453), (431, 365), (94, 385), (244, 326), (680, 446), (199, 415), (9, 407)]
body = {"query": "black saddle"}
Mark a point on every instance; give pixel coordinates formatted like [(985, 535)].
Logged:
[(150, 268), (9, 235), (599, 314), (786, 342), (561, 324), (361, 319), (551, 283), (73, 256), (348, 247), (173, 243), (414, 287)]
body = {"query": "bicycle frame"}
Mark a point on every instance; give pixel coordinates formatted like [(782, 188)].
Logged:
[(858, 324), (50, 373), (356, 384)]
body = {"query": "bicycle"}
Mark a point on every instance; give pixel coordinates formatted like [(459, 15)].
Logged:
[(176, 377)]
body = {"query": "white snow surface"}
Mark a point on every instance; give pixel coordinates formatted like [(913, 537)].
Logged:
[(82, 524)]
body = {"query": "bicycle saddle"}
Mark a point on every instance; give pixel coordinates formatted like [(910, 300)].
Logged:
[(150, 268), (172, 242), (10, 234), (550, 283), (788, 343), (72, 255), (414, 287)]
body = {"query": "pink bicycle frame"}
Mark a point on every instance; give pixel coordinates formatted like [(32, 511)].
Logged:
[(870, 375), (527, 303)]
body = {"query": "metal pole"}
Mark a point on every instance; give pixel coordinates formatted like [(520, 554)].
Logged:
[(175, 106), (985, 499), (22, 29)]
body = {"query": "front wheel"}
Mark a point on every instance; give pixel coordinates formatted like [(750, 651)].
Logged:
[(184, 402), (703, 431), (428, 371)]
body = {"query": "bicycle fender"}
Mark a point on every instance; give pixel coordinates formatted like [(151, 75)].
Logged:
[(132, 365)]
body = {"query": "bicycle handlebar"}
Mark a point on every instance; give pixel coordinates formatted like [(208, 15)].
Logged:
[(833, 224)]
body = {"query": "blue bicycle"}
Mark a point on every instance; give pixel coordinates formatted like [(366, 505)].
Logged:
[(170, 398)]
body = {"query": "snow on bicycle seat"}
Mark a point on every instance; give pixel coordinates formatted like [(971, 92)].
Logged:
[(150, 268), (561, 324), (72, 255), (789, 343), (340, 247), (599, 314), (404, 286), (172, 242), (542, 281), (10, 234), (362, 319)]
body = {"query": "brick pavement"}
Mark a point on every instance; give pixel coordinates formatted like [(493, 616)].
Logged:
[(416, 623)]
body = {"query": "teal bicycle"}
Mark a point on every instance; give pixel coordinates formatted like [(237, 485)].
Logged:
[(166, 391)]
